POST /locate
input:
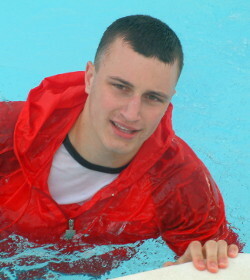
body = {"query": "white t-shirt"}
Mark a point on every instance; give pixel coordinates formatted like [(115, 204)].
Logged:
[(72, 179)]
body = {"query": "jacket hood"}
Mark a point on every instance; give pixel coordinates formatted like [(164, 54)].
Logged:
[(51, 110)]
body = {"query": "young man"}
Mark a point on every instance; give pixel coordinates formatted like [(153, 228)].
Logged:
[(93, 155)]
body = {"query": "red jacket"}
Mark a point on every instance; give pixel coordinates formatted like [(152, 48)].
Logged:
[(166, 190)]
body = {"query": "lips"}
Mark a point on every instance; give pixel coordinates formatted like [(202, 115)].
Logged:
[(124, 130)]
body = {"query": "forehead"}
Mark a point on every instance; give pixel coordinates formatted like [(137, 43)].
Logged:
[(121, 60)]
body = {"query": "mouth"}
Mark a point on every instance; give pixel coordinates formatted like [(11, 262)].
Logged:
[(124, 131)]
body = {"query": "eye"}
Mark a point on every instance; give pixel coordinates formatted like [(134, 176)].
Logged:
[(120, 86), (154, 98)]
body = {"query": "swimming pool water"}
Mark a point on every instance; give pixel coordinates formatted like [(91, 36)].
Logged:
[(43, 38)]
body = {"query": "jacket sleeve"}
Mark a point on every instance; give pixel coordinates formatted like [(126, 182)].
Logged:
[(189, 205)]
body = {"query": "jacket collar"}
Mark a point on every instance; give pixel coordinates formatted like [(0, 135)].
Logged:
[(49, 113)]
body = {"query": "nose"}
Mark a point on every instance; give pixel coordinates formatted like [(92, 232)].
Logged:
[(131, 111)]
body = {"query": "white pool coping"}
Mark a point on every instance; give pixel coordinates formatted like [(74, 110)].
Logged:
[(239, 268)]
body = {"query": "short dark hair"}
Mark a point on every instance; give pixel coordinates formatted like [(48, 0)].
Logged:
[(147, 36)]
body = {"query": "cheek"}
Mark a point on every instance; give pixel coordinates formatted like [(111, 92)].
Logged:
[(156, 123), (153, 121), (108, 101), (102, 104)]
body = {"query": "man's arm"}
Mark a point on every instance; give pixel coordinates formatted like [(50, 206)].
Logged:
[(190, 211)]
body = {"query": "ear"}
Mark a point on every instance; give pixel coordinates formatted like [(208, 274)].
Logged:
[(89, 76)]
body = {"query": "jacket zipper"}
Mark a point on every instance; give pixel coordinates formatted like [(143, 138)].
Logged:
[(70, 232)]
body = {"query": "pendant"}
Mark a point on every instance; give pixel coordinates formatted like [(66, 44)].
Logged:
[(70, 233)]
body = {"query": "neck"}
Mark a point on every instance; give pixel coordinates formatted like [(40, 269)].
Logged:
[(91, 149)]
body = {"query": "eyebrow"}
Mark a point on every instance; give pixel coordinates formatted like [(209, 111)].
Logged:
[(122, 81), (158, 93)]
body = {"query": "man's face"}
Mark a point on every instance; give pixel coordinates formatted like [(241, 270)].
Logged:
[(128, 96)]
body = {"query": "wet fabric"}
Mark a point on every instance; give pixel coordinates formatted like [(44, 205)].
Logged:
[(166, 190)]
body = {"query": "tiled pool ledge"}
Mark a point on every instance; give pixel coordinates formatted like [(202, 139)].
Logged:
[(239, 268)]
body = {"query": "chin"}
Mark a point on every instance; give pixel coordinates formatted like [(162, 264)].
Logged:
[(123, 150), (122, 147)]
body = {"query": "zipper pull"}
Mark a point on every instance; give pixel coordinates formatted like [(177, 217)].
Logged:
[(70, 233)]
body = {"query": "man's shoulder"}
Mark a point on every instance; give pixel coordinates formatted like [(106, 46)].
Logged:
[(181, 172), (179, 154), (179, 164)]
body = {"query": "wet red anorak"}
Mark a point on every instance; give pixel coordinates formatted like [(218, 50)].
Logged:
[(166, 190)]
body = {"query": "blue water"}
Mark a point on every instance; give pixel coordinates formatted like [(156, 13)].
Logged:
[(43, 38)]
